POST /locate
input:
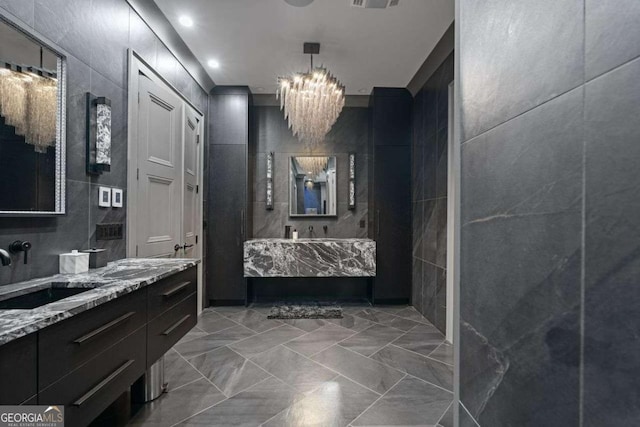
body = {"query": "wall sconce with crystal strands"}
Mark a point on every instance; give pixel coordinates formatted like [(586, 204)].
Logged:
[(98, 134), (269, 180), (352, 180)]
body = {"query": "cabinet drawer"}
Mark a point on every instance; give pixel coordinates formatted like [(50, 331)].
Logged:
[(167, 329), (170, 291), (68, 344), (91, 388), (18, 370)]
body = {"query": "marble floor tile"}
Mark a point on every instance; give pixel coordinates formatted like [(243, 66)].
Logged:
[(306, 325), (295, 370), (177, 371), (391, 309), (267, 340), (210, 321), (212, 341), (410, 403), (191, 335), (367, 372), (228, 309), (335, 403), (447, 418), (412, 314), (229, 371), (371, 340), (443, 353), (387, 319), (423, 339), (250, 408), (319, 339), (375, 315), (352, 322), (176, 405), (253, 320), (421, 367)]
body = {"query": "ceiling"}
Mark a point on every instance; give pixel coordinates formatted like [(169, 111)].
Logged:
[(255, 41)]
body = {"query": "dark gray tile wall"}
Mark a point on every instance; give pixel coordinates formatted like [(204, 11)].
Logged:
[(429, 195), (97, 35), (550, 194), (349, 134)]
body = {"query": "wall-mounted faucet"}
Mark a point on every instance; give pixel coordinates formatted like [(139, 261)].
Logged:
[(311, 231), (5, 259), (21, 246), (326, 229)]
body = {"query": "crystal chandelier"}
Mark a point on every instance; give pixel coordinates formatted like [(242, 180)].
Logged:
[(311, 101), (312, 166), (28, 102)]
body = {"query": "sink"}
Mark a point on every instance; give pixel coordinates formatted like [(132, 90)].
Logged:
[(40, 297)]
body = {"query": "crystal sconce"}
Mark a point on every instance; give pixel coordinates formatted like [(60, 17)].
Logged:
[(98, 134), (270, 180), (352, 180)]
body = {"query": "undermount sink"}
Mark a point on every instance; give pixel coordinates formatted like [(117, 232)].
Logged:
[(40, 297)]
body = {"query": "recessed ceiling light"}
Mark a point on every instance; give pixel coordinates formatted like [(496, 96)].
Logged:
[(363, 90), (186, 21), (260, 89), (299, 3), (213, 63)]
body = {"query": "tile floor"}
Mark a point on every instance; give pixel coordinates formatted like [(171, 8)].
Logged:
[(376, 366)]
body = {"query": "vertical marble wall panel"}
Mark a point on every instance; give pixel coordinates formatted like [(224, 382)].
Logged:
[(96, 34), (520, 262), (429, 185), (612, 34), (516, 56), (612, 248)]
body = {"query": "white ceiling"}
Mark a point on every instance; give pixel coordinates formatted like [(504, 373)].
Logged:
[(255, 41)]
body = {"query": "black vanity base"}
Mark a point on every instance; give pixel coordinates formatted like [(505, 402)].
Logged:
[(346, 289)]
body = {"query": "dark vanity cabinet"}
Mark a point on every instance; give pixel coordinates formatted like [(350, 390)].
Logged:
[(390, 144), (87, 361), (18, 374), (229, 214)]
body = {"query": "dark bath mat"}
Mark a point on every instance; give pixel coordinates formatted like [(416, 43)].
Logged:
[(305, 311)]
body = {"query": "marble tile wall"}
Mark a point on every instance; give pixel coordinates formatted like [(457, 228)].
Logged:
[(550, 193), (429, 195), (349, 134), (96, 34)]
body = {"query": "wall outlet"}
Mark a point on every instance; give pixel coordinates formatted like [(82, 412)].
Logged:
[(109, 231), (362, 223)]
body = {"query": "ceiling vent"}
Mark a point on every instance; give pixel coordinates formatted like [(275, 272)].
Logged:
[(374, 4)]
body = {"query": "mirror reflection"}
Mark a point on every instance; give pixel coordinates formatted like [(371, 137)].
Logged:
[(30, 156), (312, 186)]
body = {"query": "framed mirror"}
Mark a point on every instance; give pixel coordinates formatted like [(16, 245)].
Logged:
[(312, 186), (32, 126)]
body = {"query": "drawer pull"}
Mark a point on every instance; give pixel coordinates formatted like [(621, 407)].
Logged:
[(175, 325), (176, 290), (104, 328), (103, 383)]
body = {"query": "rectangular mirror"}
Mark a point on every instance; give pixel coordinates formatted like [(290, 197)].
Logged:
[(312, 186), (32, 146)]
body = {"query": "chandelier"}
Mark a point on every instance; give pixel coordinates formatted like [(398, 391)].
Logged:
[(311, 101), (28, 102), (312, 166)]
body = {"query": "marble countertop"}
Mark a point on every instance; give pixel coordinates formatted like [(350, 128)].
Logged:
[(321, 257), (108, 283), (309, 240)]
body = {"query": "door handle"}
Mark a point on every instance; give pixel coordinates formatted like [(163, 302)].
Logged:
[(178, 247)]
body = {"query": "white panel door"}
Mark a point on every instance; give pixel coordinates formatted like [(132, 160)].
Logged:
[(191, 183), (159, 170)]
